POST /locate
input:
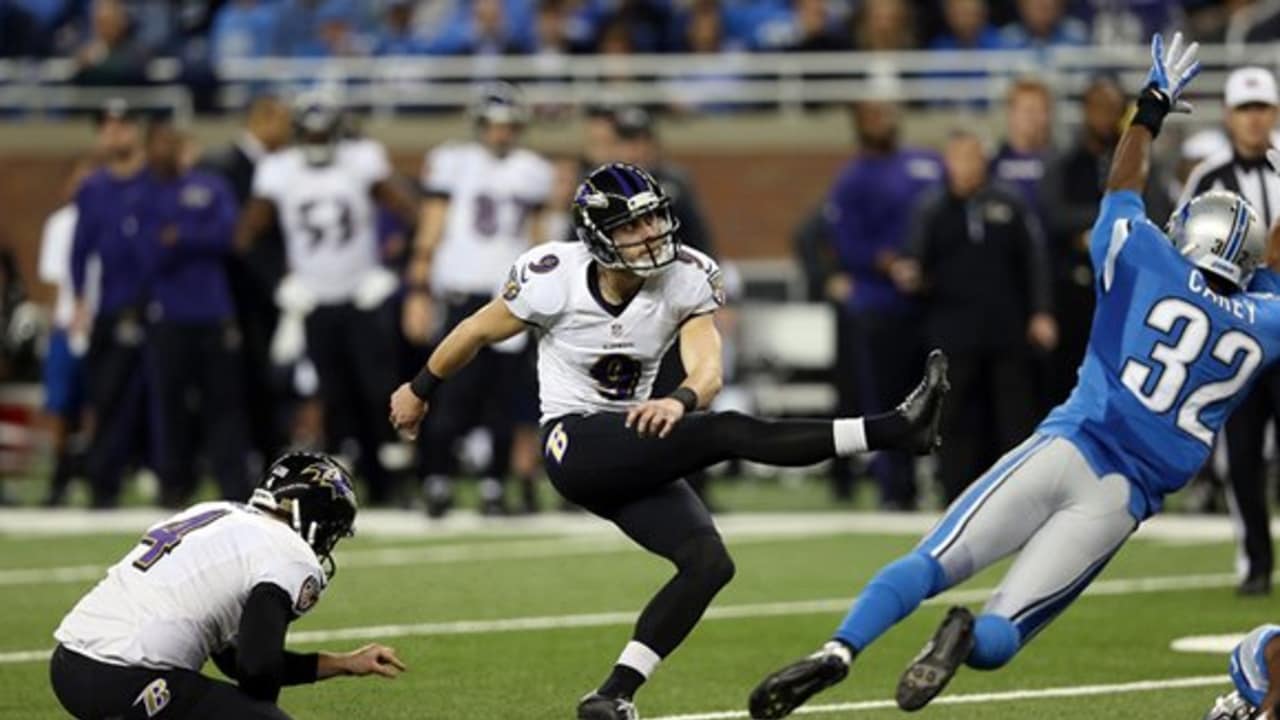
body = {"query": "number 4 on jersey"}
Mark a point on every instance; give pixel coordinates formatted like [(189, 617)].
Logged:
[(162, 540)]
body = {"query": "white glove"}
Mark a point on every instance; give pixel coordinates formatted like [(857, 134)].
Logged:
[(374, 288), (290, 340), (296, 301), (294, 296)]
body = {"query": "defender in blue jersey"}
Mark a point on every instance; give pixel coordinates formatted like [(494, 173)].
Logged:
[(1177, 338), (1255, 671)]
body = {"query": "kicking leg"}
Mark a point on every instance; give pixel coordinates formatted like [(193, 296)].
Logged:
[(674, 524), (992, 519), (704, 439)]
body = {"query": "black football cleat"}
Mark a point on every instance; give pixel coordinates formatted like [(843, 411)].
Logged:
[(789, 688), (923, 407), (598, 707), (439, 497), (937, 663), (1255, 586)]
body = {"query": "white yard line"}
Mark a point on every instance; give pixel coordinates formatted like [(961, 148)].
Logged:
[(1211, 644), (528, 549), (34, 522), (1125, 586), (576, 535), (985, 698)]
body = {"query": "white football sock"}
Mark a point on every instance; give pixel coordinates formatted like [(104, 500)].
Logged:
[(850, 436), (640, 658)]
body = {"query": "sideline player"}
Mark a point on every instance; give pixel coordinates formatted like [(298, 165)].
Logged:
[(324, 190), (1175, 344), (219, 580), (484, 207), (605, 310)]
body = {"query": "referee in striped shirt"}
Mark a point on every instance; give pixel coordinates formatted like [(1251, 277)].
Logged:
[(1251, 112)]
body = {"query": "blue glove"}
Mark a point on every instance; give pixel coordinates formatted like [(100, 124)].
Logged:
[(1171, 70)]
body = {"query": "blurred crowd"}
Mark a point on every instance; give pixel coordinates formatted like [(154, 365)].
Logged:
[(181, 343), (110, 41)]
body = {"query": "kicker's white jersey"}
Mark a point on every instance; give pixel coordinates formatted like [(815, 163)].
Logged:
[(328, 214), (491, 200), (593, 357), (177, 597)]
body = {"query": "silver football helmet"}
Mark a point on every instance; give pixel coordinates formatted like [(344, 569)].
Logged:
[(1220, 232), (1231, 707)]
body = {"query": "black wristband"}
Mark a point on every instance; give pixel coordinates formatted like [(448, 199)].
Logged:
[(686, 397), (300, 668), (1153, 106), (424, 384)]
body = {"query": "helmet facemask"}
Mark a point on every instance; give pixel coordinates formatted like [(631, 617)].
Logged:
[(317, 501), (600, 213)]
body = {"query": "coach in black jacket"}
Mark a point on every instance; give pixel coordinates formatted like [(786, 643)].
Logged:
[(978, 257), (1251, 114), (253, 276)]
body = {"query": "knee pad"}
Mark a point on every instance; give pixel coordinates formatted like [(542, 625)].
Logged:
[(705, 557), (996, 641)]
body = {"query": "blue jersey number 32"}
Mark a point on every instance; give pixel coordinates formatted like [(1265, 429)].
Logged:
[(1172, 360)]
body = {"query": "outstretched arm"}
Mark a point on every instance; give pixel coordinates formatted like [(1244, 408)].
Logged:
[(1130, 164), (1171, 70), (490, 324), (261, 665)]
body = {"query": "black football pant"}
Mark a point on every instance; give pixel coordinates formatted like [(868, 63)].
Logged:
[(198, 362), (91, 690), (1246, 434), (846, 376), (887, 353), (354, 352), (482, 394), (264, 397), (117, 389), (635, 482)]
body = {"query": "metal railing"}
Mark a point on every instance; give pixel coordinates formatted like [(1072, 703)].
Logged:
[(784, 82)]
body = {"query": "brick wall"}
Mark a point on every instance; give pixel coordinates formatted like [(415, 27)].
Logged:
[(753, 200)]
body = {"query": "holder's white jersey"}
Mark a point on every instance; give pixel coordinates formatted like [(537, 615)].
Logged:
[(593, 357), (491, 200), (328, 214), (177, 597)]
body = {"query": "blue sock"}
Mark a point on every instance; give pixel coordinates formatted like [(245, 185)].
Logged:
[(894, 593), (996, 641)]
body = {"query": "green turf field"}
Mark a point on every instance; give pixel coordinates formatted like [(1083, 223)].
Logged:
[(548, 622)]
